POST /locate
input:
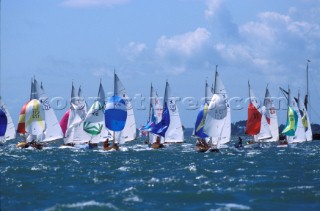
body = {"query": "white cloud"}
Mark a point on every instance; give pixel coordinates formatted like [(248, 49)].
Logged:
[(134, 50), (92, 3), (212, 7), (185, 44)]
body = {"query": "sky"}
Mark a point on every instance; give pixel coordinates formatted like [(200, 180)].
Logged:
[(149, 41)]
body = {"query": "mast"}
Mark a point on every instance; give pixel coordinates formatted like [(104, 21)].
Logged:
[(215, 80), (150, 107), (114, 94), (307, 98), (206, 92)]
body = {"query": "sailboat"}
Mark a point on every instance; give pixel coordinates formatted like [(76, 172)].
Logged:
[(116, 115), (257, 125), (170, 127), (301, 123), (218, 119), (305, 119), (78, 110), (219, 113), (294, 129), (94, 123), (271, 116), (7, 129), (37, 121), (155, 112), (129, 132)]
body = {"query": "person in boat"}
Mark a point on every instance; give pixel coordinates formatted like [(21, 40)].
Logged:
[(35, 145), (22, 144), (284, 142), (106, 145), (157, 144)]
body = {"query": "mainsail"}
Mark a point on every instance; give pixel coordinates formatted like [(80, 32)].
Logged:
[(174, 133), (271, 117), (53, 130), (78, 110), (305, 119), (218, 120)]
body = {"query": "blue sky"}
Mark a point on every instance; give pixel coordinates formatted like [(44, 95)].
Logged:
[(60, 41)]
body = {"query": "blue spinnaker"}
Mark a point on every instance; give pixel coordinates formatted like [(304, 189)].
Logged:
[(3, 123), (198, 130), (115, 113), (161, 127)]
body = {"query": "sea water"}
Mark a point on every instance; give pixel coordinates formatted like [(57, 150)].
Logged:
[(173, 178)]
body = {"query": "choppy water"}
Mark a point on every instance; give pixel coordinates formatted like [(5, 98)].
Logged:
[(174, 178)]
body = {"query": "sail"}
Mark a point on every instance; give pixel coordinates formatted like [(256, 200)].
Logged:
[(218, 120), (257, 123), (292, 121), (201, 117), (3, 123), (78, 110), (64, 122), (115, 113), (161, 127), (35, 124), (129, 132), (94, 122), (271, 117), (22, 118), (293, 111), (53, 130), (174, 133), (10, 130), (305, 119), (254, 120)]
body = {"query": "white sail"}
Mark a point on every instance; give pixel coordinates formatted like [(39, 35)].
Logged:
[(53, 130), (129, 131), (35, 121), (218, 120), (174, 133), (271, 116), (11, 131), (300, 135), (78, 110), (305, 119)]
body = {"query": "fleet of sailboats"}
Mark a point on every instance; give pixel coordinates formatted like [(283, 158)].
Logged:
[(112, 119)]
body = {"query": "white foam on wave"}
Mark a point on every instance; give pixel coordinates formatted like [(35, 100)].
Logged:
[(133, 198), (300, 187), (124, 168), (232, 206), (192, 167), (83, 205)]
